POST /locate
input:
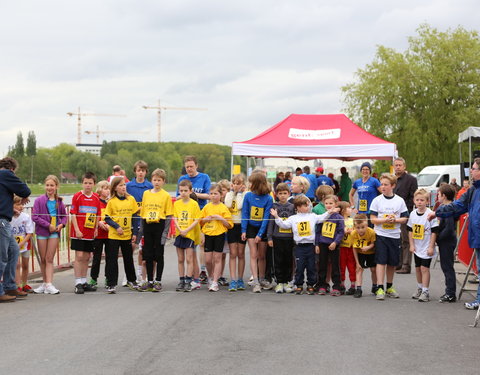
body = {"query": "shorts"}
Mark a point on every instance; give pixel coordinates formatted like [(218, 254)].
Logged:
[(53, 235), (387, 251), (253, 231), (184, 243), (81, 245), (214, 243), (25, 253), (422, 262), (366, 260), (226, 247), (234, 235)]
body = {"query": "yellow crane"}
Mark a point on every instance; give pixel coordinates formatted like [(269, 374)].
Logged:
[(159, 109), (79, 115), (98, 132)]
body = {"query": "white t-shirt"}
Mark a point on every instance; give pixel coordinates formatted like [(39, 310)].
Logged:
[(382, 206), (21, 226), (303, 225), (421, 230)]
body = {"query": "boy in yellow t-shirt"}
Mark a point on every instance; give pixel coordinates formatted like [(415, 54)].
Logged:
[(363, 243), (186, 215), (156, 213), (215, 220)]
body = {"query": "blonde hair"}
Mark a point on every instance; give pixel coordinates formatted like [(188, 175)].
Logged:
[(57, 184), (322, 191), (225, 184), (423, 193), (101, 185), (390, 177), (16, 199), (301, 200), (302, 181), (160, 173), (239, 178), (332, 197), (343, 205)]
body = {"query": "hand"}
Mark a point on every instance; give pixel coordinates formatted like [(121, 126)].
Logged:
[(431, 216), (120, 231), (258, 239), (51, 228), (25, 201), (364, 249), (103, 225), (348, 230), (95, 233), (79, 234), (134, 239), (243, 236), (430, 252), (59, 227), (412, 249), (274, 212), (183, 233), (270, 243), (359, 267), (317, 249), (332, 246)]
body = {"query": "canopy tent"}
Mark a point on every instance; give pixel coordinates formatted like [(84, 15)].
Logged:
[(316, 136), (470, 134)]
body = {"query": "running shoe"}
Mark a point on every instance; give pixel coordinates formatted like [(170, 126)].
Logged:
[(240, 284), (417, 294), (188, 286), (50, 289), (125, 282), (222, 281), (374, 289), (279, 288), (111, 289), (233, 286), (392, 293), (79, 289), (132, 285), (87, 287), (157, 286), (195, 285), (213, 287), (424, 297), (289, 287), (250, 281), (145, 287), (358, 293), (322, 291), (40, 289), (257, 288), (472, 305), (310, 290), (27, 288), (180, 286), (265, 284), (380, 294), (299, 290), (92, 282), (350, 291), (447, 298), (335, 293), (475, 280), (203, 277)]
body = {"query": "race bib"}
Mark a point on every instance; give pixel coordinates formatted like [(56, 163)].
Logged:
[(418, 231), (282, 230), (345, 241), (152, 217), (90, 219), (359, 243), (234, 209), (53, 221), (328, 229), (183, 220), (303, 228), (256, 213), (126, 223), (388, 226), (362, 205), (19, 239)]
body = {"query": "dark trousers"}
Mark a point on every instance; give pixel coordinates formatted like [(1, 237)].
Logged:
[(282, 259), (446, 250), (99, 244), (305, 259), (405, 255), (153, 250), (324, 257), (111, 261)]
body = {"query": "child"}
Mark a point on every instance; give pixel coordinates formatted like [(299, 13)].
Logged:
[(347, 260), (50, 217), (255, 212), (363, 244), (100, 243), (299, 186), (422, 235), (186, 214), (447, 241), (83, 213), (234, 202), (327, 240), (215, 219), (321, 192), (22, 230), (156, 213), (225, 187), (387, 212), (281, 239), (303, 228), (136, 188), (118, 215)]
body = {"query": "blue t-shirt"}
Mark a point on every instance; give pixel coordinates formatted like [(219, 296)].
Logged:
[(136, 189), (52, 207), (324, 180), (200, 183), (367, 191), (313, 184)]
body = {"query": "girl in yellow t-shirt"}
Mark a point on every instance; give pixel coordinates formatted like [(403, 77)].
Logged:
[(215, 220)]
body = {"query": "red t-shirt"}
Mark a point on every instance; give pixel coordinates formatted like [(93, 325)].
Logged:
[(102, 234), (86, 209)]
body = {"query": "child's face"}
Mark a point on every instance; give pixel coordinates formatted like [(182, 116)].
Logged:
[(105, 192), (303, 209), (18, 207), (386, 187), (296, 188), (184, 192), (121, 188), (466, 184), (158, 182), (329, 204), (224, 192), (215, 196), (50, 187), (361, 227), (283, 196), (441, 197), (348, 211), (87, 185), (238, 186), (420, 201), (140, 173)]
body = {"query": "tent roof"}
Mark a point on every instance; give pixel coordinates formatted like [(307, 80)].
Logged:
[(316, 136), (471, 132)]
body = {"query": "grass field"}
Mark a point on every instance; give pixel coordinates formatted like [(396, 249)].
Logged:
[(66, 189)]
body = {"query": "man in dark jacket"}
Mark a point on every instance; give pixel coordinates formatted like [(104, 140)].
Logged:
[(9, 185), (405, 188)]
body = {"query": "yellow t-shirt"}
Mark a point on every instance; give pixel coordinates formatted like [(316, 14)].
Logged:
[(121, 211), (360, 241), (347, 238), (156, 206), (215, 227), (186, 214)]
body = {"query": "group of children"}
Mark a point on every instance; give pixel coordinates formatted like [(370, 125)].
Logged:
[(324, 241)]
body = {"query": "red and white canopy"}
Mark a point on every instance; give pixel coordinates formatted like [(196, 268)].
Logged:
[(316, 136)]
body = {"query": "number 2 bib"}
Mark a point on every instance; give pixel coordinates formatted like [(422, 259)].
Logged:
[(256, 213)]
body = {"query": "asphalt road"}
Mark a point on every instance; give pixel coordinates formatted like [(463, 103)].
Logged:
[(235, 333)]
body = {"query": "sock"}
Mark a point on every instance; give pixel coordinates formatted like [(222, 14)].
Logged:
[(425, 290), (359, 287), (78, 280), (47, 285), (389, 285), (380, 286), (255, 280), (203, 267), (375, 285), (419, 285), (182, 278), (188, 279)]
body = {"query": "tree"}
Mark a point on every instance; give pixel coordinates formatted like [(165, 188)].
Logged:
[(18, 150), (421, 98), (31, 144)]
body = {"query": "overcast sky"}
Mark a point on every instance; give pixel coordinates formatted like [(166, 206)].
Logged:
[(250, 63)]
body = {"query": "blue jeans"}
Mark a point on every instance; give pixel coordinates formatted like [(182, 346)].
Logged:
[(8, 257)]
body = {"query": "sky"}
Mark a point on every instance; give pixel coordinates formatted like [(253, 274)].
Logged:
[(249, 63)]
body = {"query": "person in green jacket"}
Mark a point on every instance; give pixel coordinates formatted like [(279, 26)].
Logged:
[(345, 185)]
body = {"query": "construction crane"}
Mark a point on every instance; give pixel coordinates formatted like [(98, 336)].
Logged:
[(159, 109), (98, 132), (79, 115)]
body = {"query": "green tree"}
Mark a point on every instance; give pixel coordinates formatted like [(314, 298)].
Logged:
[(420, 98), (31, 144), (18, 150)]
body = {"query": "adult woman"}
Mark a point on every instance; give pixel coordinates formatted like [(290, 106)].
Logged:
[(367, 187)]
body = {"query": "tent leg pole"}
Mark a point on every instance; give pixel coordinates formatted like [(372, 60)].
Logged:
[(231, 165)]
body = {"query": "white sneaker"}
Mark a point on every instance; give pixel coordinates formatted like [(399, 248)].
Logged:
[(288, 287), (213, 287), (257, 288), (279, 288), (50, 289), (195, 285), (125, 281), (111, 290), (40, 289), (265, 284), (250, 281)]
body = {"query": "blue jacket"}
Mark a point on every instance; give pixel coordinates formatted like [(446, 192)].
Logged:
[(313, 185), (10, 184), (254, 201), (468, 202), (136, 189)]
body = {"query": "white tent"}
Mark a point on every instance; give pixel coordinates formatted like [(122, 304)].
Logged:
[(470, 134)]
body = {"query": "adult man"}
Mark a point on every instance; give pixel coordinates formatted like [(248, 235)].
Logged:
[(322, 179), (345, 185), (405, 188), (313, 182), (469, 202), (9, 185)]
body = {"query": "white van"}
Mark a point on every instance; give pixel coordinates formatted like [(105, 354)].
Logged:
[(432, 176)]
